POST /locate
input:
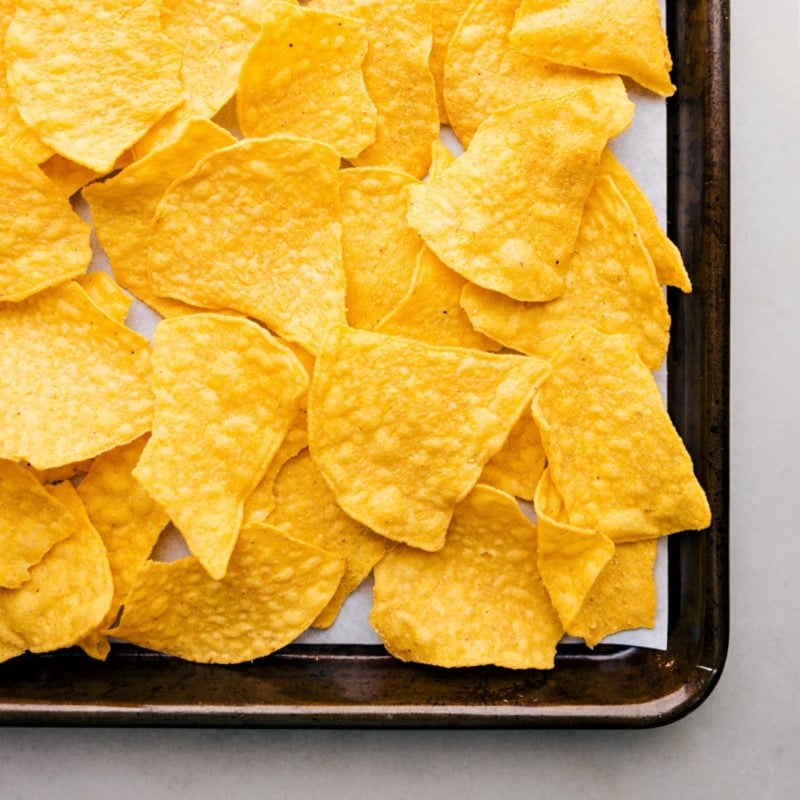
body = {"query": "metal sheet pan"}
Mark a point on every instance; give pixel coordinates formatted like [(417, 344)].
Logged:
[(612, 686)]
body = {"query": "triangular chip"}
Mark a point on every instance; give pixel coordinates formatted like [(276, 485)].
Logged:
[(226, 392), (90, 78), (610, 284), (274, 589), (303, 76), (128, 521), (398, 79), (306, 510), (623, 597), (401, 430), (31, 522), (73, 383), (478, 600), (68, 594), (569, 558), (614, 455), (123, 206), (255, 228), (506, 213), (483, 73), (45, 245), (621, 37), (666, 257)]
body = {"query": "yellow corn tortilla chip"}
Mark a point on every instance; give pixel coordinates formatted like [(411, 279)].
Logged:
[(478, 600), (68, 594), (63, 473), (610, 284), (128, 521), (31, 522), (622, 37), (43, 242), (74, 383), (506, 213), (214, 39), (105, 293), (401, 430), (398, 79), (123, 206), (379, 247), (67, 176), (261, 221), (613, 453), (441, 158), (261, 502), (306, 510), (431, 309), (115, 74), (303, 76), (518, 465), (226, 392), (17, 140), (622, 598), (483, 73), (446, 15), (666, 257), (569, 558), (274, 589)]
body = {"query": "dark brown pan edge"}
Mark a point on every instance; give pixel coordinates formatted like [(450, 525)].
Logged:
[(348, 686)]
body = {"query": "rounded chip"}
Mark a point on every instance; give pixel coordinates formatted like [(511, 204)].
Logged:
[(261, 220), (66, 59), (274, 589), (479, 600), (73, 383)]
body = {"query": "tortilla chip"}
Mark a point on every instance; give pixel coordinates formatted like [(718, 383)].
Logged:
[(478, 600), (75, 382), (226, 392), (401, 430), (274, 589)]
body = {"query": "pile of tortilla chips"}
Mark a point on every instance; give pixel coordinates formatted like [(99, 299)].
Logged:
[(373, 357)]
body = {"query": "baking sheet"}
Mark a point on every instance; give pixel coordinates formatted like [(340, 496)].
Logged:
[(341, 684)]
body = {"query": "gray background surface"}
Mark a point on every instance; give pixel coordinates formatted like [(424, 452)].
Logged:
[(741, 743)]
